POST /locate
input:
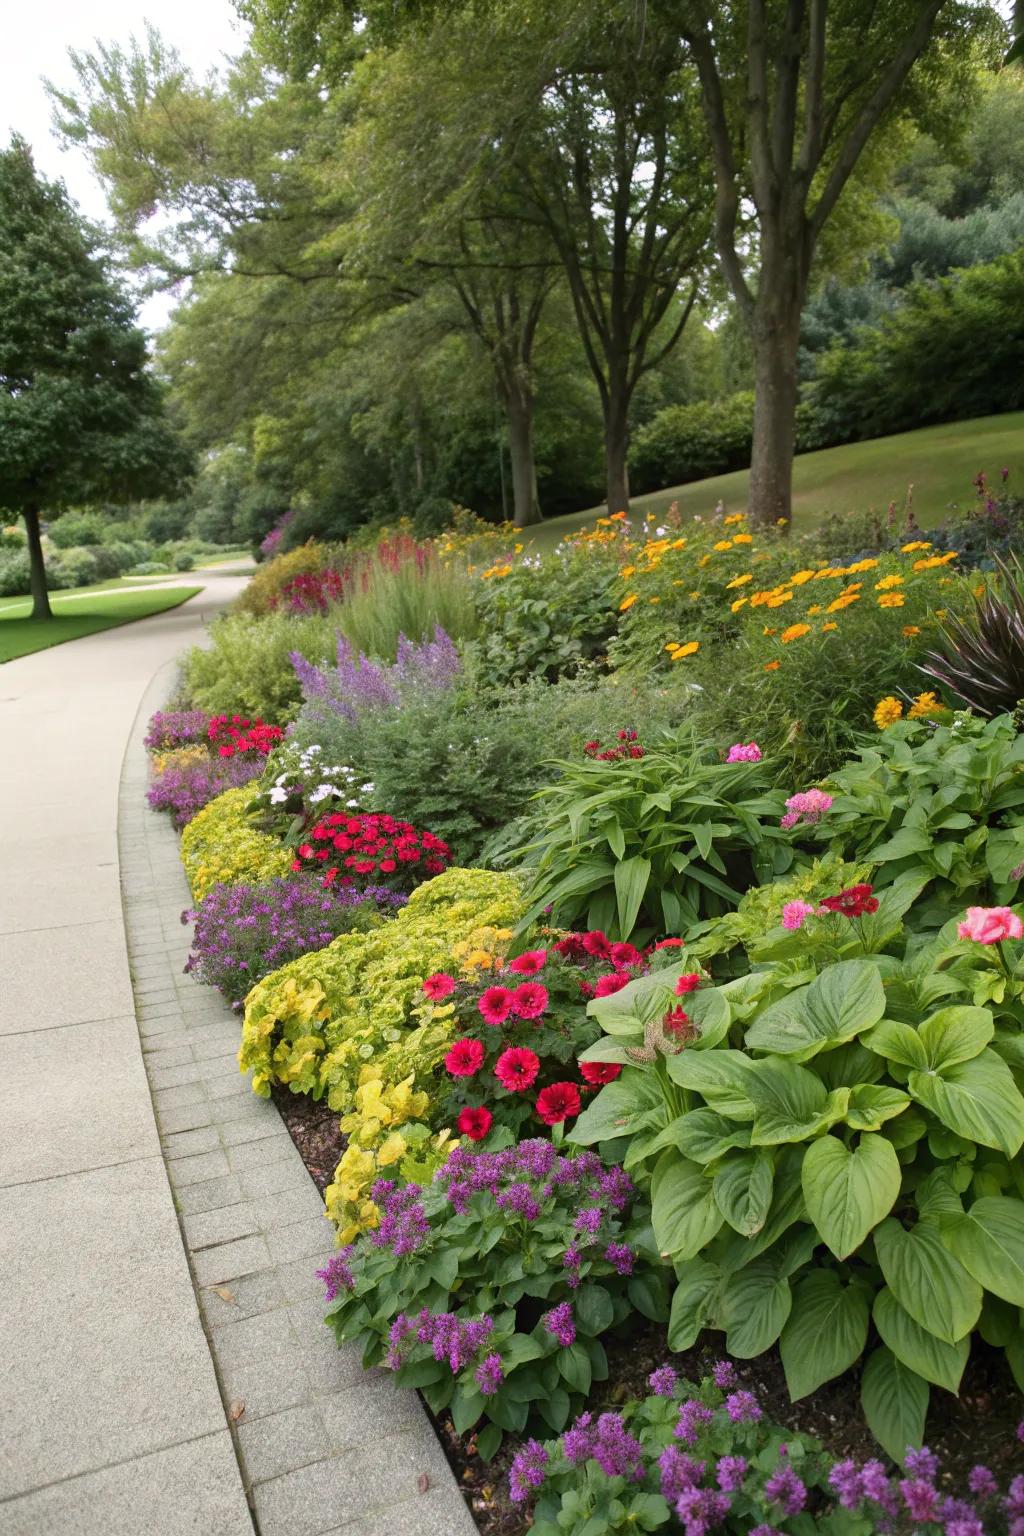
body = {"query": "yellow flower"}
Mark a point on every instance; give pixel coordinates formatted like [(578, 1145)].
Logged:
[(891, 600), (627, 602), (933, 561), (628, 570), (800, 577), (887, 582), (794, 632), (814, 609), (737, 604), (772, 666), (723, 544), (778, 598), (735, 517), (861, 565), (769, 630), (887, 712), (673, 645), (678, 543), (702, 562), (924, 705), (780, 522), (689, 649), (911, 629), (742, 538), (826, 627), (738, 581), (838, 604), (940, 613), (908, 549), (654, 599)]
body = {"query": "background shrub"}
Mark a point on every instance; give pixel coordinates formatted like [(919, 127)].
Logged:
[(246, 668)]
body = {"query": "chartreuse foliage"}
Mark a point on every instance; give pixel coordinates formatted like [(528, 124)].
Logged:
[(317, 1022), (220, 846), (946, 802), (834, 1158), (652, 844)]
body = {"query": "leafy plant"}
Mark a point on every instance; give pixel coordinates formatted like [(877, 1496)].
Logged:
[(220, 846), (544, 616), (983, 659), (652, 843), (833, 1144)]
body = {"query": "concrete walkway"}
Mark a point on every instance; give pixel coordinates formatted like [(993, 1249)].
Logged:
[(111, 1420)]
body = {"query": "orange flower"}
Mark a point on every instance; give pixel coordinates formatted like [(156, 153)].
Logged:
[(891, 600), (911, 629), (627, 602), (908, 549), (738, 581), (737, 604), (742, 538), (794, 632), (888, 582), (772, 666), (826, 627), (723, 544)]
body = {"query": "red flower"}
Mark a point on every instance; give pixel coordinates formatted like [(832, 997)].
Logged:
[(688, 983), (669, 944), (474, 1123), (571, 947), (676, 1022), (855, 901), (495, 1005), (597, 1073), (558, 1102), (517, 1069), (529, 1000), (465, 1058), (625, 954), (305, 851), (596, 943), (607, 986), (439, 986), (530, 963)]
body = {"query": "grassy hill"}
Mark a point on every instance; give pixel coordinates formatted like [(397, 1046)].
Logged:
[(939, 462)]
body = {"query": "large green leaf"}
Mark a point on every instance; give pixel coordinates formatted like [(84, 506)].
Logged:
[(897, 1042), (850, 1192), (826, 1331), (683, 1210), (840, 1003), (621, 1108), (926, 1279), (632, 877), (703, 1135), (754, 1307), (955, 1034), (871, 1106), (895, 1403), (742, 1189), (791, 1102), (977, 1099), (916, 1347), (721, 1077), (693, 1302), (907, 841), (989, 1242)]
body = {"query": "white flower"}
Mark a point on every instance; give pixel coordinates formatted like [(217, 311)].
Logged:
[(278, 796)]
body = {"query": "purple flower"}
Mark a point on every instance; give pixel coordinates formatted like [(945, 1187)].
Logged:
[(662, 1382), (731, 1472), (982, 1482), (922, 1464), (172, 728), (578, 1442), (743, 1408), (185, 788), (795, 914), (765, 1530), (527, 1470), (337, 1274), (404, 1226), (489, 1375), (679, 1472), (809, 805), (693, 1414), (356, 686), (845, 1478), (620, 1257), (615, 1450), (723, 1374), (588, 1221), (920, 1498), (559, 1322), (784, 1488)]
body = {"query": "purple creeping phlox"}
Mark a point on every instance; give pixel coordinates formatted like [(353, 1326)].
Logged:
[(184, 788), (357, 686), (171, 728)]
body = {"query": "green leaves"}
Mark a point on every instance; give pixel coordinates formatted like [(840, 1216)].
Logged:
[(954, 1035), (755, 1304), (742, 1189), (977, 1099), (632, 877), (790, 1102), (915, 1347), (826, 1331), (684, 1213), (842, 1002), (895, 1403), (989, 1242), (849, 1192), (927, 1279)]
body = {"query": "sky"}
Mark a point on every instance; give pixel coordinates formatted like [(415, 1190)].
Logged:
[(37, 37)]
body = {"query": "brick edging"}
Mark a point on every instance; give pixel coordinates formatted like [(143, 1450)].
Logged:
[(324, 1447)]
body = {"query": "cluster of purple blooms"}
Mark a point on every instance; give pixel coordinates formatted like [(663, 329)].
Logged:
[(337, 1273), (454, 1341), (271, 543), (172, 728), (243, 932), (915, 1497), (404, 1226), (522, 1179), (357, 686), (184, 788)]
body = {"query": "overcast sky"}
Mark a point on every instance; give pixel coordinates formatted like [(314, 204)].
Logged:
[(37, 36)]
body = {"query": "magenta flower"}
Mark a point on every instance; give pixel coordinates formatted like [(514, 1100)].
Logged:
[(809, 805), (796, 913), (744, 752), (989, 925)]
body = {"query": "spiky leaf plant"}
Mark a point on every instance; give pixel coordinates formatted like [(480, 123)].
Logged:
[(982, 661)]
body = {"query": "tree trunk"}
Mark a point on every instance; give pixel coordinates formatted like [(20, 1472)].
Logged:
[(37, 568), (616, 447), (525, 500), (776, 338)]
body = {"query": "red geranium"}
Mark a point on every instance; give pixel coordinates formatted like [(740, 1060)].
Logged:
[(687, 983), (625, 954), (465, 1058), (596, 943), (517, 1069), (529, 1000), (855, 901), (669, 944), (495, 1005), (392, 852), (439, 986), (474, 1122), (530, 963), (597, 1073), (607, 986), (558, 1102), (241, 735)]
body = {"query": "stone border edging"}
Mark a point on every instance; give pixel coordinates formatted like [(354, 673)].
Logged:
[(324, 1447)]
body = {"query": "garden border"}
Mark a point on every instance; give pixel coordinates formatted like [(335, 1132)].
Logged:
[(323, 1446)]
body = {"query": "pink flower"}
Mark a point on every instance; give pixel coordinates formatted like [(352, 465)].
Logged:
[(625, 954), (608, 985), (687, 983), (529, 1000), (437, 986), (796, 913), (495, 1005), (595, 943), (517, 1069), (530, 963), (809, 805), (987, 925), (744, 752), (465, 1058)]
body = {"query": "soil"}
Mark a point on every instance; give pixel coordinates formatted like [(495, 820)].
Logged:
[(977, 1426)]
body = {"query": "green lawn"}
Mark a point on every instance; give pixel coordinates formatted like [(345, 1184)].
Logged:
[(940, 463), (20, 635)]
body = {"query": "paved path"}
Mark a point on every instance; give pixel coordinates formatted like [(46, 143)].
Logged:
[(111, 1420)]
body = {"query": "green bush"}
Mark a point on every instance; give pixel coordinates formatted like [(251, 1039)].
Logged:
[(75, 568), (404, 589), (649, 845), (711, 437), (15, 572), (246, 669), (545, 616), (76, 529), (220, 846), (834, 1145), (150, 568)]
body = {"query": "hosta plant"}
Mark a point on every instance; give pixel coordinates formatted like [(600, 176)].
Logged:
[(646, 845), (833, 1147), (982, 660)]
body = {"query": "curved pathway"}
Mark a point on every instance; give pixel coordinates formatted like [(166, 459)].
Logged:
[(137, 1173)]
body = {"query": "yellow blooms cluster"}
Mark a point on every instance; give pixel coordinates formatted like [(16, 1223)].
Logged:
[(926, 706), (220, 846)]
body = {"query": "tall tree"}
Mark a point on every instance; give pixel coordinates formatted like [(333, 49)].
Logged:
[(80, 415), (793, 92)]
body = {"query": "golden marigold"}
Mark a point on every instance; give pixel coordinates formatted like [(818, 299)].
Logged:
[(932, 562), (915, 544), (738, 581), (778, 598), (689, 649), (814, 609), (722, 544), (911, 629), (737, 604), (627, 602), (891, 600), (734, 517), (861, 565), (742, 538), (888, 582), (772, 666), (617, 517), (830, 625), (924, 705), (844, 601), (678, 543), (853, 586), (628, 570), (887, 712), (798, 579), (794, 632)]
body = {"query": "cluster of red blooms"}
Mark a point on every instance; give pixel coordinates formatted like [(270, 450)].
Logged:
[(311, 591), (236, 734), (391, 852), (628, 746), (855, 901)]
